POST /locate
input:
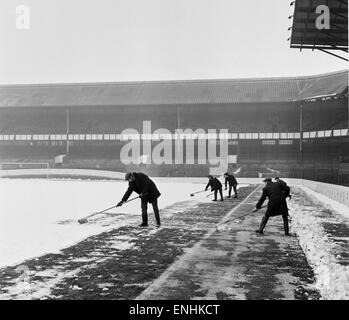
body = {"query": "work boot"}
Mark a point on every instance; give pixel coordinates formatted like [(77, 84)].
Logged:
[(157, 217), (214, 200), (236, 196), (286, 226), (262, 226), (158, 224), (144, 219)]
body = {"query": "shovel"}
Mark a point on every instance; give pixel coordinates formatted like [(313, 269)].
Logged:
[(192, 194), (239, 217), (85, 219)]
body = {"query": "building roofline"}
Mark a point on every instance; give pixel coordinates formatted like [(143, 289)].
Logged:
[(165, 82)]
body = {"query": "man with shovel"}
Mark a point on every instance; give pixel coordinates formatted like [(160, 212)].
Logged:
[(148, 192), (277, 205), (231, 180), (215, 185), (288, 190)]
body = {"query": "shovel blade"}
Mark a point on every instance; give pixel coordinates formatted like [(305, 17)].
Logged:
[(83, 220)]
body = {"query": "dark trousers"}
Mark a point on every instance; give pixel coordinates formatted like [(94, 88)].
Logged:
[(145, 211), (266, 218), (216, 192), (234, 188)]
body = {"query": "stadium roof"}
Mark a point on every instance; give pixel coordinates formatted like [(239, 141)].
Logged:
[(175, 92), (309, 30)]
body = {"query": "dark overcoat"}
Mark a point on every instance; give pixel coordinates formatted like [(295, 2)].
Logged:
[(142, 185), (231, 180), (275, 192), (214, 183), (286, 188)]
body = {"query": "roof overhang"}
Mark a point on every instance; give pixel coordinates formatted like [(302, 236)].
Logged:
[(174, 93), (321, 25)]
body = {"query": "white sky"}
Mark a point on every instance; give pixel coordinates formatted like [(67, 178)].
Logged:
[(129, 40)]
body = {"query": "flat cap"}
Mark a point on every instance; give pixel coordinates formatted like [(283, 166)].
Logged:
[(128, 175)]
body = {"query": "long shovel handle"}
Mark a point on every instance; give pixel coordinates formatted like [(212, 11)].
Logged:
[(95, 213), (198, 192), (255, 210), (133, 199), (244, 215)]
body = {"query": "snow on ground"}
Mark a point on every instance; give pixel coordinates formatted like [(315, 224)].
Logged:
[(32, 212), (327, 202), (310, 213)]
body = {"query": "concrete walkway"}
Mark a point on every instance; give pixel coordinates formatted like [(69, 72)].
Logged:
[(235, 263)]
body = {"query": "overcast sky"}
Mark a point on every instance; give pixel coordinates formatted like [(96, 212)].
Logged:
[(129, 40)]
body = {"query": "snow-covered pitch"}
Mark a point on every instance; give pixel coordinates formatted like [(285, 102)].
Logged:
[(40, 217)]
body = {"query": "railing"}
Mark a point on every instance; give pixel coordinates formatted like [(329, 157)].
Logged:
[(207, 136)]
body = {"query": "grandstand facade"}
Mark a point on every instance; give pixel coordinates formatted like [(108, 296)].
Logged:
[(297, 127)]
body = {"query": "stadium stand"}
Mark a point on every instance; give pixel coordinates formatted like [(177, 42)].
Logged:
[(262, 106)]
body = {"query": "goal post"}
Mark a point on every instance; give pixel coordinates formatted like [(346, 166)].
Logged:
[(11, 169)]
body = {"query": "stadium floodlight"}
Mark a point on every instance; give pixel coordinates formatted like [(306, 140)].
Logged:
[(290, 17), (288, 39), (289, 28), (292, 3)]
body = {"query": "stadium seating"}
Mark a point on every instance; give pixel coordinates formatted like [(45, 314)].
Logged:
[(240, 106), (275, 117)]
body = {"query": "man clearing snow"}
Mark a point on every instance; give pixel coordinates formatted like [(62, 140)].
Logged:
[(148, 192), (229, 178), (277, 205), (288, 190), (215, 185)]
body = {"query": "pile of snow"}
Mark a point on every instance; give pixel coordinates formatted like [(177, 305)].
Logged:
[(332, 278)]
